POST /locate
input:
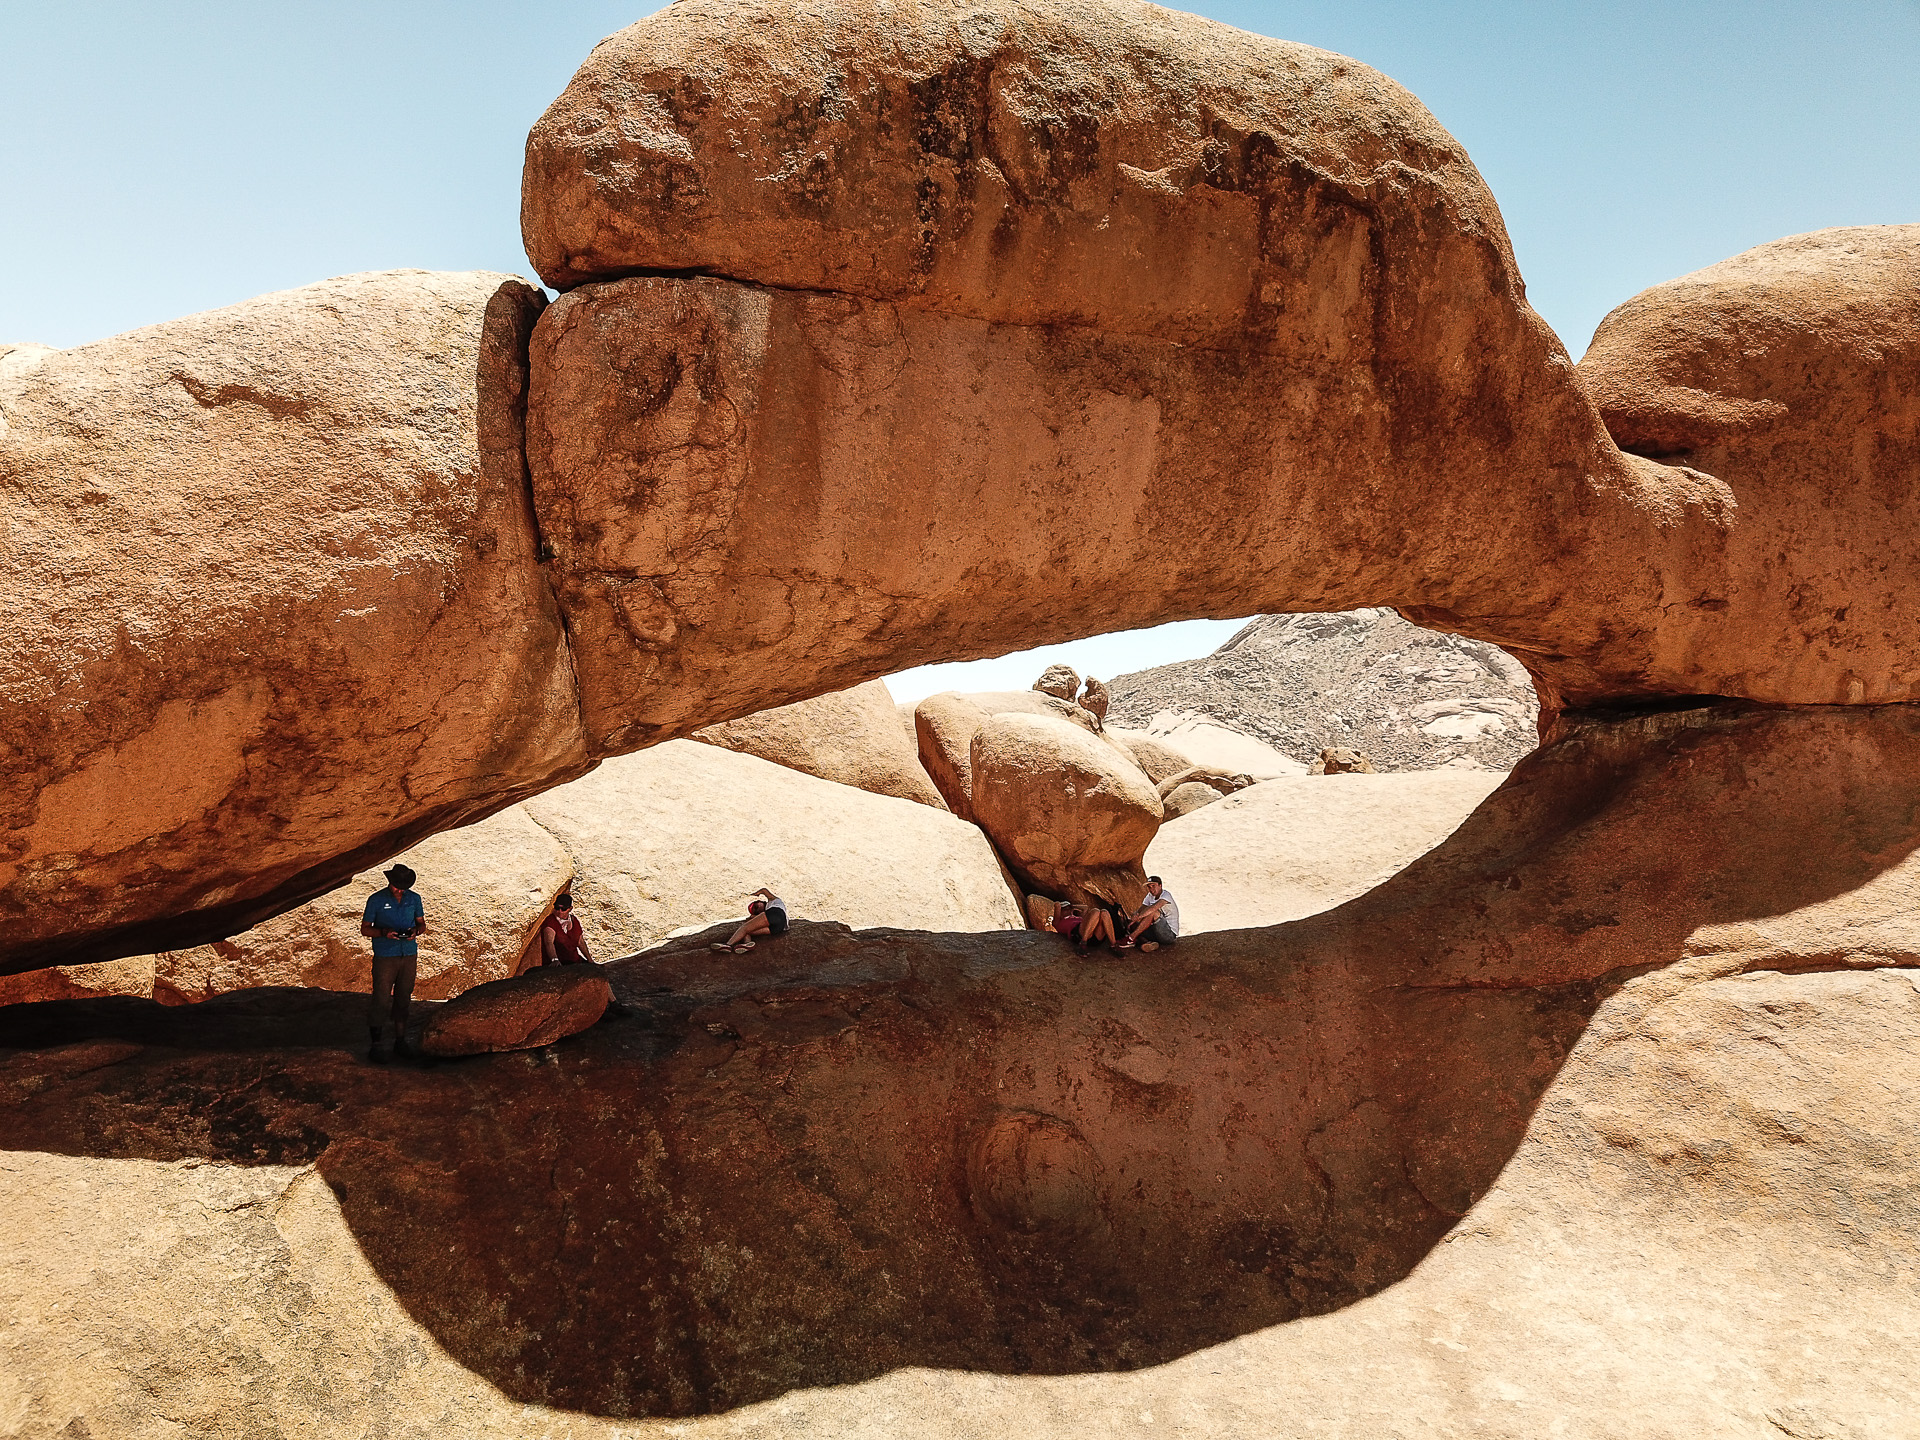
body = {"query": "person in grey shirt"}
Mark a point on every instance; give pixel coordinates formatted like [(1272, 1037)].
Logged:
[(1156, 922)]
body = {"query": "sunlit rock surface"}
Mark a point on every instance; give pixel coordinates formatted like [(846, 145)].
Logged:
[(1548, 1130)]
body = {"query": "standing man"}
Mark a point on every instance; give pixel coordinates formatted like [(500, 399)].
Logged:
[(1158, 919), (562, 940), (394, 917)]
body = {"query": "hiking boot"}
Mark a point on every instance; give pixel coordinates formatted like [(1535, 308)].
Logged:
[(404, 1051), (377, 1053)]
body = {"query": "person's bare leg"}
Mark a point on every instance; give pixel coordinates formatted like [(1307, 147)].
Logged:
[(756, 925), (1097, 924)]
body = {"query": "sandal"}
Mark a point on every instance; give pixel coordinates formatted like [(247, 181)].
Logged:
[(721, 946), (743, 947)]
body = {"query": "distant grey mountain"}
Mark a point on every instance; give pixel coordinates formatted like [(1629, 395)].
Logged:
[(1411, 699)]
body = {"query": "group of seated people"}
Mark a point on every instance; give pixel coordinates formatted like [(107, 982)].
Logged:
[(1155, 923)]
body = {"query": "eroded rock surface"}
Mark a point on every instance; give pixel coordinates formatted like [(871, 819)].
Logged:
[(486, 888), (853, 737), (681, 835), (1257, 244), (521, 1012), (1791, 373), (1241, 1185), (274, 610), (945, 725), (1070, 813)]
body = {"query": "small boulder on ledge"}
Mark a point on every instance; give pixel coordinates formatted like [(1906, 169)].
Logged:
[(522, 1013), (1060, 681)]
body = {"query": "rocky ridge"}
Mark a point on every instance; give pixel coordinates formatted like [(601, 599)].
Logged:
[(1406, 697)]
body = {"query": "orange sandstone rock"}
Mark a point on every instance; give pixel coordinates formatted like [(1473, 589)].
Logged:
[(918, 1185), (851, 736), (1070, 813), (276, 611), (1791, 374), (520, 1013)]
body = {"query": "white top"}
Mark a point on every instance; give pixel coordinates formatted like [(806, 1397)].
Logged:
[(776, 903), (1170, 911)]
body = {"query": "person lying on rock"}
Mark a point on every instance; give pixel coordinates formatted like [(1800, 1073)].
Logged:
[(393, 918), (1084, 925), (1158, 919), (765, 916), (562, 940)]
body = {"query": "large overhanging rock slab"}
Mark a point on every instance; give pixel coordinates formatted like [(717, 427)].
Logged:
[(758, 494), (273, 610), (1261, 293), (1023, 162), (1792, 374)]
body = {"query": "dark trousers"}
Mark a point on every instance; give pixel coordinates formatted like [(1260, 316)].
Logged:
[(393, 977)]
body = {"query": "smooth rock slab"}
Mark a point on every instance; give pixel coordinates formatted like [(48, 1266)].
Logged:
[(680, 835), (523, 1012), (852, 736), (1290, 847)]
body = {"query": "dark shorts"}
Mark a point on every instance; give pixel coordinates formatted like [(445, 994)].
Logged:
[(776, 921), (1160, 930)]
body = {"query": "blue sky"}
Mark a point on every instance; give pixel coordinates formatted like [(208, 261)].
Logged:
[(163, 159)]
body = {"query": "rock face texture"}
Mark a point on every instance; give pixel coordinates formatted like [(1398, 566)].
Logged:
[(486, 888), (1199, 741), (1791, 373), (520, 1013), (1411, 699), (680, 835), (945, 725), (1060, 681), (274, 610), (21, 356), (1159, 760), (853, 737), (1187, 797), (1239, 232), (1240, 1186), (132, 976), (1070, 813), (1288, 848)]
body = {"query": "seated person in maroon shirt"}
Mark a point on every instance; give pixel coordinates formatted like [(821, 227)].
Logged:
[(562, 941)]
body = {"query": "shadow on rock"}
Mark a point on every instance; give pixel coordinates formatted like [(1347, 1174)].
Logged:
[(854, 1152)]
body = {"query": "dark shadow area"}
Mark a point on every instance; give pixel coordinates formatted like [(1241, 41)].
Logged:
[(857, 1152)]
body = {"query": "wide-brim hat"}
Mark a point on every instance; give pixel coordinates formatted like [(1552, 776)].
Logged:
[(401, 875)]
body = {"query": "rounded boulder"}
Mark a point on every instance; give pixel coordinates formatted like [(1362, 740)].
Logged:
[(523, 1013), (1069, 812)]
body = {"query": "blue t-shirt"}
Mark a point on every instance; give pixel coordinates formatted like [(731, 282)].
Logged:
[(386, 913)]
